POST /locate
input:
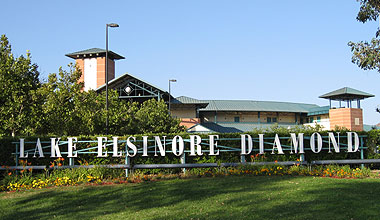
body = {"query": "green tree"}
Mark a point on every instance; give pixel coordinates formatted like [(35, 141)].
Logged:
[(18, 99), (69, 111), (59, 94), (122, 114), (59, 107), (91, 109), (366, 54), (153, 117)]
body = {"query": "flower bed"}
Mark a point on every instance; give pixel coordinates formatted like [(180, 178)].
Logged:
[(67, 177)]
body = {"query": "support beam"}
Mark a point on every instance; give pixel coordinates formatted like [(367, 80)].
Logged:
[(258, 117)]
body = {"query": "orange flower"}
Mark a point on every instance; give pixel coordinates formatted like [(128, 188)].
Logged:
[(252, 156), (30, 169), (275, 161), (10, 173), (22, 171), (52, 165), (61, 159), (59, 164)]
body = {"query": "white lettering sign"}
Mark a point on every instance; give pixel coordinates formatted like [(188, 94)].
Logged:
[(195, 148)]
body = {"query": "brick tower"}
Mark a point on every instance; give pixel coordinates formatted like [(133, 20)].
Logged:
[(346, 115), (92, 63)]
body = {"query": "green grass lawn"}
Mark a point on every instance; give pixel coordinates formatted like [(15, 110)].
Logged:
[(239, 197)]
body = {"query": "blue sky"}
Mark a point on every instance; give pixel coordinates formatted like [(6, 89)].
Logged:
[(291, 50)]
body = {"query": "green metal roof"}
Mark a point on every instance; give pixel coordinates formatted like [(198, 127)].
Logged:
[(319, 111), (370, 127), (95, 52), (256, 106), (231, 127), (346, 93), (188, 100)]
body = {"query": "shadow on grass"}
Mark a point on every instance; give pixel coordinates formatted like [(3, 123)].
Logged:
[(245, 197)]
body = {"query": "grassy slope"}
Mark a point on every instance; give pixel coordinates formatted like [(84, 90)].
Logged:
[(244, 197)]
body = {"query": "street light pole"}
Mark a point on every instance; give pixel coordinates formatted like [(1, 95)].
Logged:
[(170, 80), (113, 25)]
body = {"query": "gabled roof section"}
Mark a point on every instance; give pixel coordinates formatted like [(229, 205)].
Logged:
[(94, 52), (184, 100), (255, 106), (123, 80), (346, 93), (198, 128), (188, 100)]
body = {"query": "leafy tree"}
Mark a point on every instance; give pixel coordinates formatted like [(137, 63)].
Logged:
[(91, 109), (69, 111), (122, 114), (18, 100), (59, 94), (153, 117), (366, 54)]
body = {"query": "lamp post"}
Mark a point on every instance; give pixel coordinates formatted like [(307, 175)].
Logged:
[(170, 80), (112, 25)]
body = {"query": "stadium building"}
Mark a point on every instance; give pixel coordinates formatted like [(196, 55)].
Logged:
[(224, 115)]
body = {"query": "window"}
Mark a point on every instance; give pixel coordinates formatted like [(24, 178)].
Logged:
[(311, 119), (237, 119), (271, 120), (318, 119), (357, 121)]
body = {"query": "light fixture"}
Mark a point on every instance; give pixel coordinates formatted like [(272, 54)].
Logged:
[(112, 25), (128, 90), (170, 80)]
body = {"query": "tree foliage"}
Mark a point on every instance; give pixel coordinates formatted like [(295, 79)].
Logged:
[(59, 95), (18, 85), (70, 111), (153, 117), (59, 107), (366, 54)]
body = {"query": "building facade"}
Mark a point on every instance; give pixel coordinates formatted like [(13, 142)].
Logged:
[(224, 115)]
